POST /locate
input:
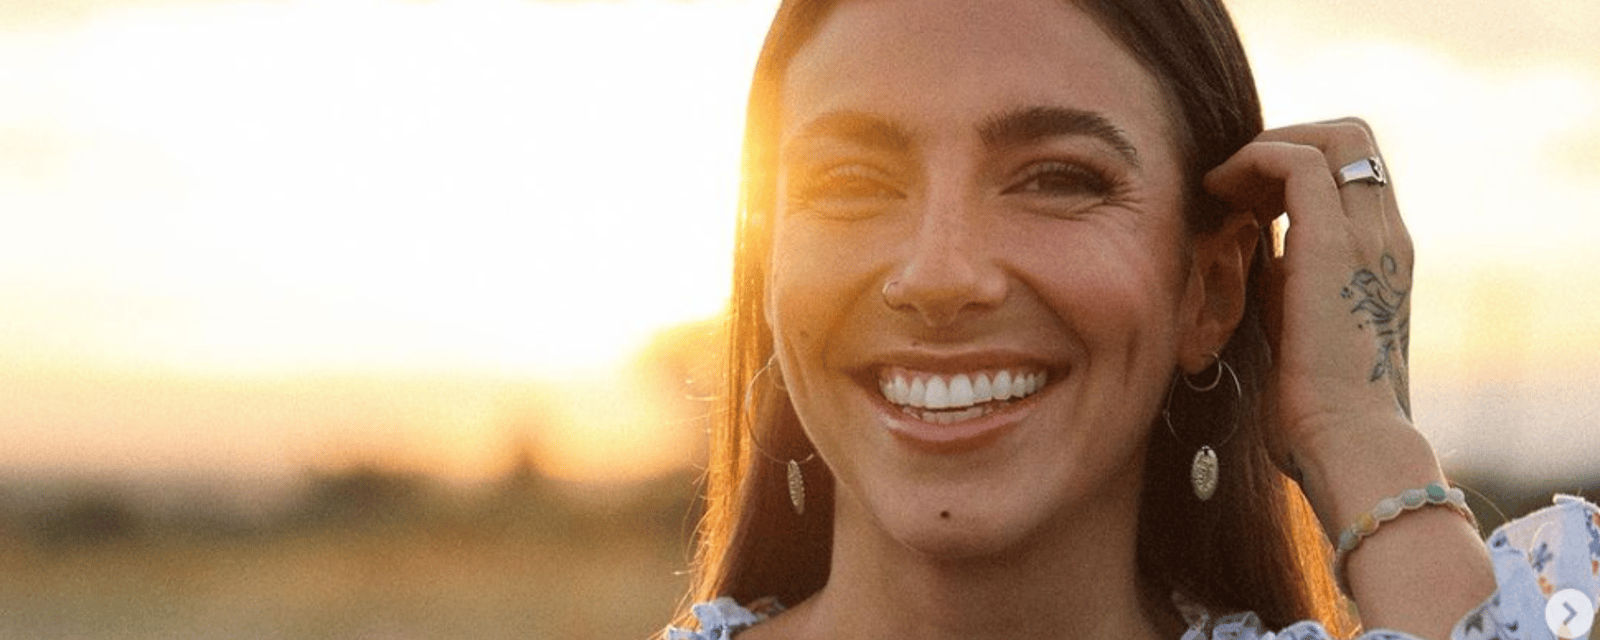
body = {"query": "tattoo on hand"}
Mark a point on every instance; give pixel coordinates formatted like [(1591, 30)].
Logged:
[(1385, 308)]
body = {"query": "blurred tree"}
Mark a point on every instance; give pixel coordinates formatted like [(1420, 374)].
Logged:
[(91, 518), (368, 495)]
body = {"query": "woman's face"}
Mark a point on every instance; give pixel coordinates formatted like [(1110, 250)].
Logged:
[(976, 200)]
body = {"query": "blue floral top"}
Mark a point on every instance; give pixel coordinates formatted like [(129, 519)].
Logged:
[(1550, 551)]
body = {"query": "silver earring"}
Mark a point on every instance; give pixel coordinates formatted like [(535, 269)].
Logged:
[(797, 481), (797, 488), (777, 373), (1204, 471)]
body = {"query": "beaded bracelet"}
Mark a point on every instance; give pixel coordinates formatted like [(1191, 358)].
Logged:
[(1390, 508)]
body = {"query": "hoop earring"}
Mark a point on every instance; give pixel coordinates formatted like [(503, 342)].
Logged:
[(1204, 473), (796, 480), (777, 375)]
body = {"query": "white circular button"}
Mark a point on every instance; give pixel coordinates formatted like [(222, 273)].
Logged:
[(1569, 613)]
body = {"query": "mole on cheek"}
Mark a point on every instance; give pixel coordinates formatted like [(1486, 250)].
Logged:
[(944, 514)]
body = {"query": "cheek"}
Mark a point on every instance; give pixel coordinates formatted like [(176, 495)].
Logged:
[(808, 287), (1113, 291)]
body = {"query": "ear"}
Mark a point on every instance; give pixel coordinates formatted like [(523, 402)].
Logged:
[(1214, 300)]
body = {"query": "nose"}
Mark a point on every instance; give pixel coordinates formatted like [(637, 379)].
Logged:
[(948, 272)]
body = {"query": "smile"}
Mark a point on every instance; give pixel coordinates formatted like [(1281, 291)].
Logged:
[(951, 398)]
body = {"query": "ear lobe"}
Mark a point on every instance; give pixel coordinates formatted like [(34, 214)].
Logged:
[(1221, 271)]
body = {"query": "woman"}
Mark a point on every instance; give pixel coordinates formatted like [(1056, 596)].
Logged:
[(1006, 305)]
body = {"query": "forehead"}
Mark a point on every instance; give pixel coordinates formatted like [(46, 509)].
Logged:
[(939, 63)]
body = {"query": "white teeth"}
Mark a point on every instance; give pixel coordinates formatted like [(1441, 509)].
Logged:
[(938, 394), (959, 391), (981, 391), (902, 391)]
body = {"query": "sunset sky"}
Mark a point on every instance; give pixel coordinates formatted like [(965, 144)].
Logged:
[(244, 237)]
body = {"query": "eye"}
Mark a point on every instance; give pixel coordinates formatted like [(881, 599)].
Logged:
[(849, 182), (845, 191), (1056, 178)]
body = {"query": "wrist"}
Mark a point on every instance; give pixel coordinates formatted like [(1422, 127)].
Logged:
[(1350, 471)]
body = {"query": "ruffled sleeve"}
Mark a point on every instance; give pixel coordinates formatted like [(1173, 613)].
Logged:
[(1551, 550), (721, 618)]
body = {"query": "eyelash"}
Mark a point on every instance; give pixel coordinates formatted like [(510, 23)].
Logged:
[(852, 189), (1081, 180), (850, 184)]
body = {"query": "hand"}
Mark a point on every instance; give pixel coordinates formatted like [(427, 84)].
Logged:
[(1339, 297)]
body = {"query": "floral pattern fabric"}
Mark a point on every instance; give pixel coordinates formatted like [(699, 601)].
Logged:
[(1550, 550), (721, 618)]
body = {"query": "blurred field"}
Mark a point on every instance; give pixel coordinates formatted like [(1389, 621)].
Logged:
[(367, 553), (360, 554)]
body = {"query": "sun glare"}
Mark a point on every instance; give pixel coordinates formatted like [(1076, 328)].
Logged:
[(502, 184), (270, 191)]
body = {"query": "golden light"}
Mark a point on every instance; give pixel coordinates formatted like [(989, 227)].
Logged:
[(239, 232), (495, 190), (504, 184)]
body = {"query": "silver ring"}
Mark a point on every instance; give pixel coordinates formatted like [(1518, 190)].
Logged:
[(886, 286), (1369, 169)]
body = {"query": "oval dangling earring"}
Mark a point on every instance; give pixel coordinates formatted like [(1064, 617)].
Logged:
[(1205, 472), (797, 487)]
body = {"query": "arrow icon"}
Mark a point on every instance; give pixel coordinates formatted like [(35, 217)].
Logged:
[(1569, 613)]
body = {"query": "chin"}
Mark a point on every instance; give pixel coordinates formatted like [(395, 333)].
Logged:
[(966, 531), (1001, 516)]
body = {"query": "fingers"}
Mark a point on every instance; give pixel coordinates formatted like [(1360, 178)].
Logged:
[(1342, 142), (1292, 170), (1318, 147), (1266, 177)]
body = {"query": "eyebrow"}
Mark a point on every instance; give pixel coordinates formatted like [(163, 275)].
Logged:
[(1028, 125), (1018, 127), (857, 127)]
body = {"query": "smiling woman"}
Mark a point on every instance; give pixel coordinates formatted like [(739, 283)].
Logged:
[(994, 233), (241, 238), (999, 260)]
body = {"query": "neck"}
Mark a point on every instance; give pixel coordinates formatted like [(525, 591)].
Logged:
[(1077, 578)]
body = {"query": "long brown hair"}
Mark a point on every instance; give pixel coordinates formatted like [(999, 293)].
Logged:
[(1254, 546)]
